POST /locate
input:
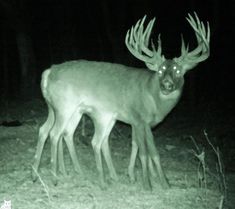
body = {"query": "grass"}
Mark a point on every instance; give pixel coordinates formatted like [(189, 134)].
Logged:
[(204, 170), (197, 180)]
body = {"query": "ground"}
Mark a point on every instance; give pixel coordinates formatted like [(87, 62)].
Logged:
[(174, 138)]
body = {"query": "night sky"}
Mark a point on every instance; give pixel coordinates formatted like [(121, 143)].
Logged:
[(95, 30)]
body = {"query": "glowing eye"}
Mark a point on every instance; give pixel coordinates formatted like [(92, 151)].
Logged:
[(174, 67), (163, 67), (177, 71), (160, 72)]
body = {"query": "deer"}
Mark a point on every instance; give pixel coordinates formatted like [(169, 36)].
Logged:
[(109, 92)]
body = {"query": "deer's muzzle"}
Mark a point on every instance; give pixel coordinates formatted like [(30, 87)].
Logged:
[(167, 86)]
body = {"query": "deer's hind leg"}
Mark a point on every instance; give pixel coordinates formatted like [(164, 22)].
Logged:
[(69, 138), (43, 135), (103, 125)]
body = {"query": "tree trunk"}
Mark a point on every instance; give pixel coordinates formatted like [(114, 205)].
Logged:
[(110, 25), (5, 69), (16, 16), (27, 62)]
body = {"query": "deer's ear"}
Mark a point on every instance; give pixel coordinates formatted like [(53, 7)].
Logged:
[(188, 66), (155, 66)]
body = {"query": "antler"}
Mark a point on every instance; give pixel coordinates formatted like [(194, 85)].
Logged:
[(189, 59), (137, 41)]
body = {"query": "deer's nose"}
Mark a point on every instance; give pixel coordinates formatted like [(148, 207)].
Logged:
[(168, 84)]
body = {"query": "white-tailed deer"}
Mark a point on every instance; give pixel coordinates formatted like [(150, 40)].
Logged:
[(109, 92)]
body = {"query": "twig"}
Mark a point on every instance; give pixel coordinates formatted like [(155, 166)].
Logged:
[(200, 155), (220, 164), (221, 202), (45, 187)]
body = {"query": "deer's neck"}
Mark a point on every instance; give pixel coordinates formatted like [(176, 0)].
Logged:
[(163, 103)]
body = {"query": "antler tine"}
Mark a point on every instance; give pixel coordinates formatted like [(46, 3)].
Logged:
[(198, 25), (157, 52), (208, 32), (207, 35), (133, 37), (145, 37), (138, 28), (184, 50), (148, 30)]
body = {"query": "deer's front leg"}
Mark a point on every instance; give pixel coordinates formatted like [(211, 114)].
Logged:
[(140, 141), (154, 154), (61, 158), (56, 135), (108, 159), (54, 154), (69, 139), (134, 151), (43, 135), (103, 123)]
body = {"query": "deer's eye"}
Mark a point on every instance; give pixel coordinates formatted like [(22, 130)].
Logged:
[(160, 72), (174, 68), (178, 72), (163, 67)]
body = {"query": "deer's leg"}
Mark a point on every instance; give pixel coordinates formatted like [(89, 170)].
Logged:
[(140, 140), (56, 134), (103, 126), (61, 157), (151, 167), (106, 150), (134, 151), (68, 137), (43, 135), (154, 154)]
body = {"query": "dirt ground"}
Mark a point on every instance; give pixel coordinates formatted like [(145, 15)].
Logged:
[(189, 188)]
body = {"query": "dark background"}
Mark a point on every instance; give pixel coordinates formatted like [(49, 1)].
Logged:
[(36, 34)]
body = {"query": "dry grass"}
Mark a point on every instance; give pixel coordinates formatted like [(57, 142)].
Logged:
[(191, 184)]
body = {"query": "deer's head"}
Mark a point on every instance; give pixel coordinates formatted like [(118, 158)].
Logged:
[(170, 72)]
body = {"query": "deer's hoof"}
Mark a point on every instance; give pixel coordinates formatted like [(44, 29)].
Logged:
[(165, 185), (147, 184), (54, 178), (34, 174)]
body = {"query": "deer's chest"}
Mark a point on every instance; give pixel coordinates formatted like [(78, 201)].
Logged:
[(160, 107)]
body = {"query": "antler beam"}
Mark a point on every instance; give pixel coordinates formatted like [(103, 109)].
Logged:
[(202, 51), (137, 42)]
